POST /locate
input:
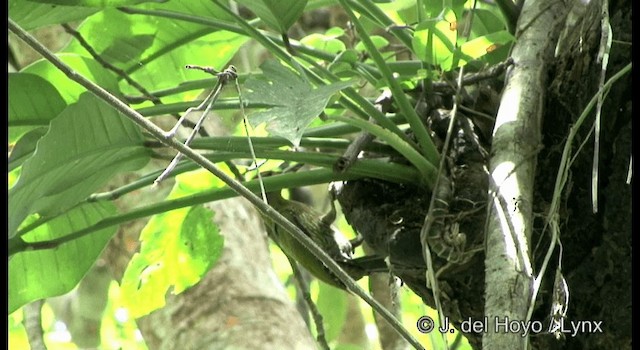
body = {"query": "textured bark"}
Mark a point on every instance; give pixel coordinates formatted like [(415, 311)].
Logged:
[(81, 309), (516, 141), (387, 294), (597, 248), (239, 304)]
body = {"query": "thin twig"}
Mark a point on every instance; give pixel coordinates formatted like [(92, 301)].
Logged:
[(211, 99), (147, 95), (364, 138), (313, 309), (353, 151), (250, 142), (469, 79), (96, 56)]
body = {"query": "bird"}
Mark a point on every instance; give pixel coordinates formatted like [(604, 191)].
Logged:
[(321, 230)]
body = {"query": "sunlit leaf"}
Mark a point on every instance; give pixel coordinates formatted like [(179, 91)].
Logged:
[(378, 41), (485, 44), (154, 50), (327, 43), (178, 248), (69, 89), (434, 40), (40, 274)]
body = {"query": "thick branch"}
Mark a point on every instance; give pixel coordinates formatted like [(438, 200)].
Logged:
[(516, 140)]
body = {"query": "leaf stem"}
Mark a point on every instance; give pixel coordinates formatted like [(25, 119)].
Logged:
[(417, 126), (353, 101), (427, 170)]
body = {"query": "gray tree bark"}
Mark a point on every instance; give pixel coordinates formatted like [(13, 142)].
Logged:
[(516, 141), (239, 304)]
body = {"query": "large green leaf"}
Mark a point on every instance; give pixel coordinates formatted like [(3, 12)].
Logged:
[(25, 147), (28, 110), (128, 48), (86, 145), (434, 7), (166, 71), (280, 15), (40, 274), (69, 89), (178, 248), (154, 50), (31, 15), (295, 101), (485, 22), (95, 3)]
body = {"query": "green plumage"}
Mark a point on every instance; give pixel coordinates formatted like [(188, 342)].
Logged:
[(320, 230)]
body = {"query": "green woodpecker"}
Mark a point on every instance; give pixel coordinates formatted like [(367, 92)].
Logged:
[(320, 229)]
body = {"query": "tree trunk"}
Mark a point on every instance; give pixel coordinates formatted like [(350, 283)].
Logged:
[(239, 304), (516, 140), (596, 247)]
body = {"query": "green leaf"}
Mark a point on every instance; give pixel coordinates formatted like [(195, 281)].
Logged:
[(485, 44), (31, 15), (485, 22), (378, 41), (127, 48), (13, 176), (433, 8), (96, 3), (159, 64), (28, 110), (40, 274), (323, 42), (178, 248), (86, 145), (201, 242), (280, 15), (344, 63), (434, 40), (295, 101), (25, 147), (401, 11), (69, 89)]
